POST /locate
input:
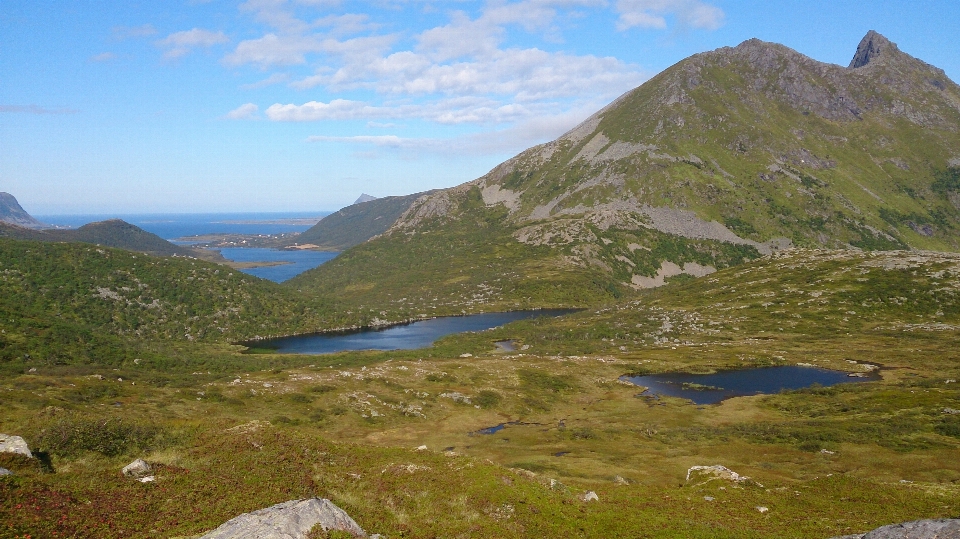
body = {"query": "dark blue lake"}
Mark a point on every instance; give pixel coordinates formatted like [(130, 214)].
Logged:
[(297, 262), (410, 336), (713, 388)]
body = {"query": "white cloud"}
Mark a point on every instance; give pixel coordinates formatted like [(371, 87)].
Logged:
[(524, 73), (274, 13), (338, 109), (450, 112), (512, 140), (276, 78), (125, 32), (180, 43), (462, 37), (654, 13), (243, 112), (103, 57), (350, 23), (391, 141), (272, 50), (467, 71)]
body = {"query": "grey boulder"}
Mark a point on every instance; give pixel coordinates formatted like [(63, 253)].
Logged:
[(288, 520), (14, 444), (4, 471), (137, 469), (917, 529)]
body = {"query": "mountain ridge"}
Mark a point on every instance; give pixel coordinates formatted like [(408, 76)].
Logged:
[(12, 213), (355, 224), (111, 233), (723, 157)]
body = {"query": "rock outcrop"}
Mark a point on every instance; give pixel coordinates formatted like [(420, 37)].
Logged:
[(14, 444), (871, 46), (288, 520), (709, 473), (137, 469), (917, 529)]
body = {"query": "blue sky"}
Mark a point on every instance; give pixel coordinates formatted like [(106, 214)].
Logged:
[(300, 105)]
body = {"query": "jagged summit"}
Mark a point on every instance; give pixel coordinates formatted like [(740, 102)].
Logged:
[(872, 46), (12, 213)]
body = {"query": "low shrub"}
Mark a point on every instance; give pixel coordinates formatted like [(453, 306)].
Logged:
[(487, 399), (107, 436)]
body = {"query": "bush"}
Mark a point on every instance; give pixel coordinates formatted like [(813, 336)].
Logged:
[(107, 436), (949, 426), (488, 399), (545, 382)]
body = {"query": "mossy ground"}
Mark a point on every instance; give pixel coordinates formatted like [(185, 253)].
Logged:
[(245, 431)]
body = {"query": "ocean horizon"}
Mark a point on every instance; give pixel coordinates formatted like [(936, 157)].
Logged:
[(170, 226)]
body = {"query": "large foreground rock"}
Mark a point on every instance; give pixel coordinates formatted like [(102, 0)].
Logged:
[(14, 444), (918, 529), (288, 520)]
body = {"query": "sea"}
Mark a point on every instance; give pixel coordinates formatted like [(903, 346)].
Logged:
[(171, 226)]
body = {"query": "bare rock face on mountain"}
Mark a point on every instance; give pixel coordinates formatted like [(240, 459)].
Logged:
[(871, 47), (288, 520), (12, 213)]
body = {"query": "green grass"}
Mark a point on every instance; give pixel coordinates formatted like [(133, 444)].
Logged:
[(343, 425)]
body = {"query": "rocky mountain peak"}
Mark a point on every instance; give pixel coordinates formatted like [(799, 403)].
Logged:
[(12, 213), (872, 46)]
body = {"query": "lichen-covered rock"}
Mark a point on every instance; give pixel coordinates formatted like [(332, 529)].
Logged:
[(14, 444), (709, 473), (288, 520), (917, 529), (136, 469)]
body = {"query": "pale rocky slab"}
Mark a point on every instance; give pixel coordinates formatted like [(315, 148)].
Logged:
[(917, 529), (14, 444), (288, 520)]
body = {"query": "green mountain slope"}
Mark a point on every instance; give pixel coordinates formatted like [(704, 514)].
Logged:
[(723, 157), (76, 302), (356, 223), (113, 233), (812, 303)]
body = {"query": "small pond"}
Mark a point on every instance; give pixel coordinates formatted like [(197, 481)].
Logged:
[(713, 388), (410, 336)]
